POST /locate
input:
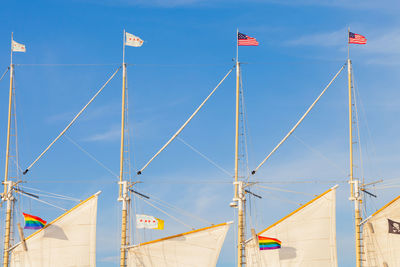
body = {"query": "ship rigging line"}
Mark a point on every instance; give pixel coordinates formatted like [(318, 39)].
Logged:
[(298, 123), (358, 130), (4, 74), (280, 198), (186, 123), (283, 190), (205, 157), (72, 65), (45, 202), (50, 193), (320, 154), (91, 156), (166, 213), (72, 122), (177, 209)]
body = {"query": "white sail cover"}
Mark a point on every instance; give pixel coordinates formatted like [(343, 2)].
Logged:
[(198, 248), (381, 236), (307, 235), (69, 240)]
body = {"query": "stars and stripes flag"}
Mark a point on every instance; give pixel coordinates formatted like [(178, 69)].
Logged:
[(17, 47), (246, 40), (132, 40), (355, 38)]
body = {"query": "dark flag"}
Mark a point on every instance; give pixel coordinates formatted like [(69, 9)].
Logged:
[(394, 227)]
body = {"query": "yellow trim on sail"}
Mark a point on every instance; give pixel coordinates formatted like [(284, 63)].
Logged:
[(384, 207), (62, 215), (183, 234), (297, 210)]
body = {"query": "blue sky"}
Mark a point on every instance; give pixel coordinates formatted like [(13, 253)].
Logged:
[(189, 46)]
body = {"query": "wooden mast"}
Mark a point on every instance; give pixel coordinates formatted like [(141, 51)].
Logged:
[(239, 196), (354, 185), (7, 195), (123, 186)]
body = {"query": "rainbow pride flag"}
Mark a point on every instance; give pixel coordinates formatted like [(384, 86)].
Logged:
[(267, 243), (33, 222)]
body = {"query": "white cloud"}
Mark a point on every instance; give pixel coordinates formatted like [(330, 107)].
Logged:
[(150, 3), (90, 114), (334, 38), (388, 5), (109, 135), (359, 4), (60, 117), (382, 47)]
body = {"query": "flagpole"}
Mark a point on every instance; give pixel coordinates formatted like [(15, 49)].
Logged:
[(123, 48), (122, 116), (7, 196), (123, 185), (354, 184), (12, 39), (348, 43), (237, 44), (239, 196), (237, 113)]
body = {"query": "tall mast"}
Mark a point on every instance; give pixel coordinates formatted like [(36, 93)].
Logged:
[(123, 185), (7, 195), (239, 196), (354, 186)]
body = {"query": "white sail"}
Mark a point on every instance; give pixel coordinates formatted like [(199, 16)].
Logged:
[(308, 237), (198, 248), (69, 240), (381, 236)]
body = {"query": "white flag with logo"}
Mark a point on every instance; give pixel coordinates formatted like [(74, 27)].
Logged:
[(17, 47), (150, 222), (132, 40)]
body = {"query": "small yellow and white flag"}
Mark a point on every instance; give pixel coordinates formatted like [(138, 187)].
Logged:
[(17, 47), (149, 222), (132, 40)]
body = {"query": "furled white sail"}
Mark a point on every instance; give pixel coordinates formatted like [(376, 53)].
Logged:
[(198, 248), (69, 240), (381, 236), (307, 235)]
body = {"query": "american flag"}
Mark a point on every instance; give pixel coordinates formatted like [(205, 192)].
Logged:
[(355, 38), (243, 39)]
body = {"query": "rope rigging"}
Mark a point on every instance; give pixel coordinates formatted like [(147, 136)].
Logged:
[(283, 190), (4, 74), (186, 123), (72, 122), (283, 199), (300, 120), (166, 213), (205, 157), (332, 163), (42, 201), (177, 209), (50, 194), (91, 156)]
